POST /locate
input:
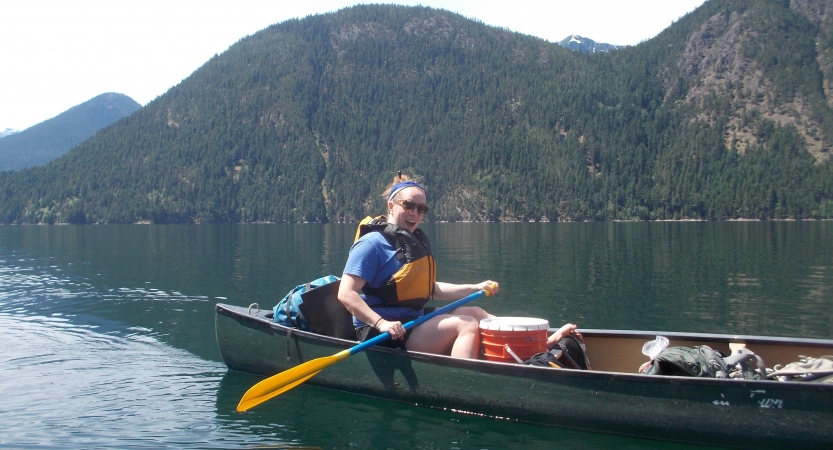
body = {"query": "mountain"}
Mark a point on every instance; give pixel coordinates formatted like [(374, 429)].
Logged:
[(52, 138), (585, 45), (7, 132), (724, 115)]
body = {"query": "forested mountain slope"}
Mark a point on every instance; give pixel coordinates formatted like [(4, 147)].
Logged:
[(726, 114), (52, 138)]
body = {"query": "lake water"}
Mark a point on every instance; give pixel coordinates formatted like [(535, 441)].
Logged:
[(108, 331)]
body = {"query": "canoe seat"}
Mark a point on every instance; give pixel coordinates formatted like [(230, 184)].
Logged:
[(325, 314)]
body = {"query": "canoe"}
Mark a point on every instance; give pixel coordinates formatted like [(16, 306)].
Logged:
[(612, 398)]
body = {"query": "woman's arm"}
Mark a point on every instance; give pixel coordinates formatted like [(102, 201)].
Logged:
[(561, 333), (449, 291), (348, 295)]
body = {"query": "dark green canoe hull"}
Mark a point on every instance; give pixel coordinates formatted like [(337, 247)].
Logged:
[(736, 413)]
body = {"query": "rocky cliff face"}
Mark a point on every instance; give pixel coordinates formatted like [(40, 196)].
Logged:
[(731, 65), (820, 13)]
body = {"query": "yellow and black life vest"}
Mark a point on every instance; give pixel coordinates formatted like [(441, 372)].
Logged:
[(413, 284)]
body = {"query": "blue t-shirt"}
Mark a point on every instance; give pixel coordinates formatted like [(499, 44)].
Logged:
[(373, 259)]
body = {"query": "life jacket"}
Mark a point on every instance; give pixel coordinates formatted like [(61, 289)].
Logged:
[(413, 284)]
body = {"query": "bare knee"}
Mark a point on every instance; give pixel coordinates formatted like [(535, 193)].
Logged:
[(457, 335), (469, 323), (467, 344), (466, 325)]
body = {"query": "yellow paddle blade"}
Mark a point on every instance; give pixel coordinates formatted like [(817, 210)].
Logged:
[(247, 404), (286, 380)]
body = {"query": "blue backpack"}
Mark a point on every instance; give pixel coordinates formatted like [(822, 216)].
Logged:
[(287, 313)]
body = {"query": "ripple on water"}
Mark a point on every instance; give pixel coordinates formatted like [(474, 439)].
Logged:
[(88, 388), (68, 382)]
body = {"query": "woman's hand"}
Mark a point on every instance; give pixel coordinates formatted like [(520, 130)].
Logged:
[(491, 287), (395, 329), (561, 333)]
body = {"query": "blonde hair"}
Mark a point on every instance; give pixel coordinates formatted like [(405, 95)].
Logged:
[(399, 178)]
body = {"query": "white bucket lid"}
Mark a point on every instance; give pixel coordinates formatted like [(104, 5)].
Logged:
[(514, 324)]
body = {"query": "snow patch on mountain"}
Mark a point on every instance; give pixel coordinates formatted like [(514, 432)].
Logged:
[(586, 45), (7, 132)]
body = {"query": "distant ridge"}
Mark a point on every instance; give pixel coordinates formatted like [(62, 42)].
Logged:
[(586, 45), (52, 138), (7, 132)]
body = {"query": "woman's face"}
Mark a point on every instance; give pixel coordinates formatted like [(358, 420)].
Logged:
[(398, 216)]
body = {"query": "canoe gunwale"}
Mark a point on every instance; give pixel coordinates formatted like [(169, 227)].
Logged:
[(711, 337)]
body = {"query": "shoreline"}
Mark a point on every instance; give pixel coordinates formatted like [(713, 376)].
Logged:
[(147, 222)]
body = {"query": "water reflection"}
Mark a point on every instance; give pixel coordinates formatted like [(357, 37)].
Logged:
[(70, 385), (755, 278), (706, 277), (349, 421)]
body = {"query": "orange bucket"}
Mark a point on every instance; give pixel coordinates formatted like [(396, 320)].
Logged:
[(526, 336)]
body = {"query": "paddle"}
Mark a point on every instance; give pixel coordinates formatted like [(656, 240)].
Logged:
[(288, 379)]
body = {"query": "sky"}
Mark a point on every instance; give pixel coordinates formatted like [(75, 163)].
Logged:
[(55, 54)]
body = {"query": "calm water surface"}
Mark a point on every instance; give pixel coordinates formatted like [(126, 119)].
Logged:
[(108, 338)]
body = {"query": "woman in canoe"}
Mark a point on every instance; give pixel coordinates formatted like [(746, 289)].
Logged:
[(390, 275)]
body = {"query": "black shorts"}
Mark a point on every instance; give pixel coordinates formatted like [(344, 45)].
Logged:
[(367, 332)]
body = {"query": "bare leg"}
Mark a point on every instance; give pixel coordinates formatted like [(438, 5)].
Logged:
[(457, 335)]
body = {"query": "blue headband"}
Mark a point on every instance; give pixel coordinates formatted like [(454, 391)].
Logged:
[(402, 185)]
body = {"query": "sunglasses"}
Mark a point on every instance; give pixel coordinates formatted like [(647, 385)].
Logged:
[(409, 206)]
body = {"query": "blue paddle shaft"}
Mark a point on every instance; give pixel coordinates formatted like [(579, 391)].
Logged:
[(380, 338)]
